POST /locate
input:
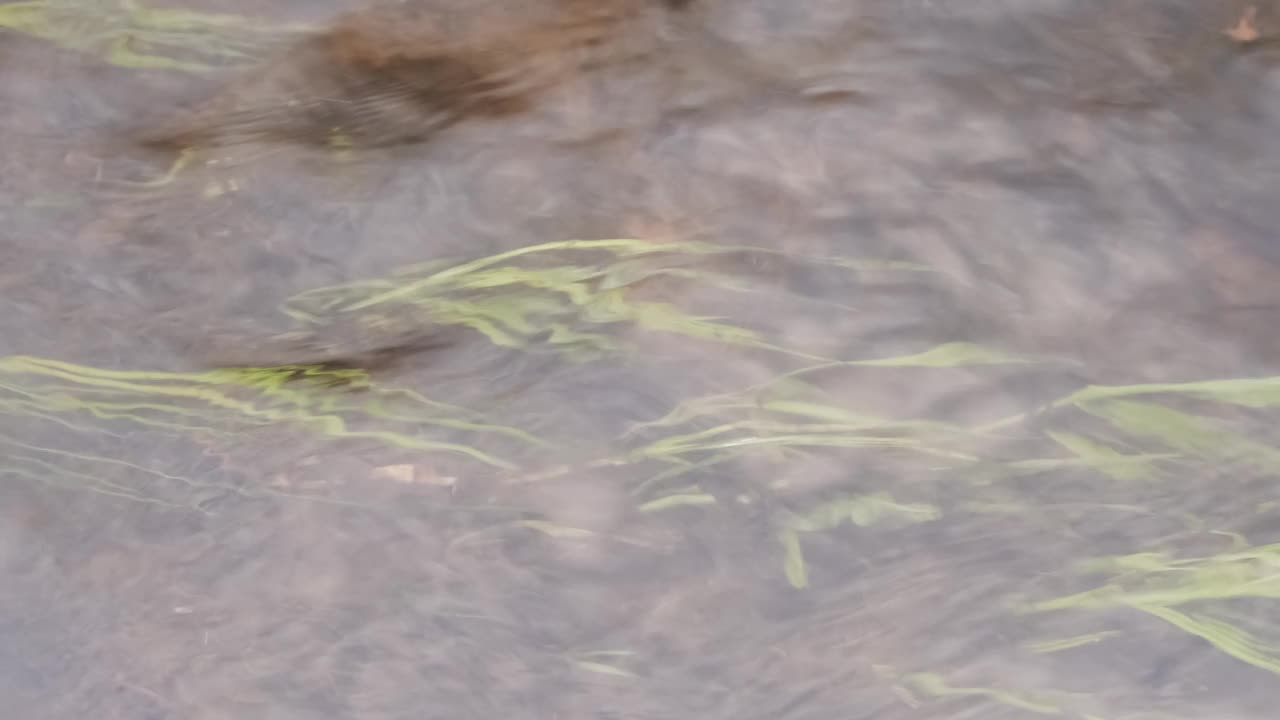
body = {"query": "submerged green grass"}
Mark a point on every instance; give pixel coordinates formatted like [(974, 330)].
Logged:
[(570, 297), (586, 301), (130, 34), (87, 406), (1213, 597)]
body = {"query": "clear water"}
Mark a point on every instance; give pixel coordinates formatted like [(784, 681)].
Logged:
[(929, 376)]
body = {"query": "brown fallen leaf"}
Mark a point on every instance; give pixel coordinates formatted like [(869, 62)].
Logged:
[(396, 473), (1246, 29), (407, 474)]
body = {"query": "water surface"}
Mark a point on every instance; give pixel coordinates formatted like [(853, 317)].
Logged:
[(931, 373)]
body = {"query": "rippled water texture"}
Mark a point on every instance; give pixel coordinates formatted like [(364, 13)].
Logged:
[(799, 360)]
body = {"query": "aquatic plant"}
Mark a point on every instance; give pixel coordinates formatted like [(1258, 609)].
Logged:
[(129, 34)]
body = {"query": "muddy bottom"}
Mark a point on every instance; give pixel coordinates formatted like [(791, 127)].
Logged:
[(861, 359)]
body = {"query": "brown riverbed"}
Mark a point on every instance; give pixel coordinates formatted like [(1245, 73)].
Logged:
[(845, 359)]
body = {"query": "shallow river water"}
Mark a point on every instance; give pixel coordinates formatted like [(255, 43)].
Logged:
[(867, 359)]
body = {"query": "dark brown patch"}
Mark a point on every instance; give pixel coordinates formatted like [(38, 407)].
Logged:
[(399, 72)]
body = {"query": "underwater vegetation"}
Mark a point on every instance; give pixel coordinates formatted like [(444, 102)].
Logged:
[(571, 299)]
